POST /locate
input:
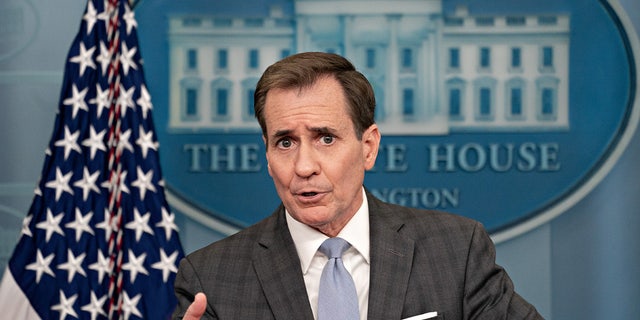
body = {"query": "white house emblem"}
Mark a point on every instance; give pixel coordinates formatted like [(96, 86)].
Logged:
[(508, 112)]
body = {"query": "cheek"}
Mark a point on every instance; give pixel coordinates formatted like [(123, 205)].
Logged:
[(278, 173)]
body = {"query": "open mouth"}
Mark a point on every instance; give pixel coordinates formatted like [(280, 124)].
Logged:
[(309, 194)]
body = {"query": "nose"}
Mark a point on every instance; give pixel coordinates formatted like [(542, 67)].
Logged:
[(306, 162)]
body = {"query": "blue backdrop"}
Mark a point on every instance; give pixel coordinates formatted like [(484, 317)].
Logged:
[(583, 264)]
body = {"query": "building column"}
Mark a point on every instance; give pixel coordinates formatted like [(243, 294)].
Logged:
[(393, 100)]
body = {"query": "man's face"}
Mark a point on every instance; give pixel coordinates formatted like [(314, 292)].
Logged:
[(316, 161)]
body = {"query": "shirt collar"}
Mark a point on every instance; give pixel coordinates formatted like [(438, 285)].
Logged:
[(307, 240)]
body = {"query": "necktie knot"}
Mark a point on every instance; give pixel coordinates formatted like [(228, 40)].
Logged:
[(334, 247)]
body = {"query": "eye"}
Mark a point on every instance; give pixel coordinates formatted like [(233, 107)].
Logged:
[(284, 143), (328, 139)]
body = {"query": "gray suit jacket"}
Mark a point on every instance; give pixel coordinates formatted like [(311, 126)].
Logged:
[(421, 261)]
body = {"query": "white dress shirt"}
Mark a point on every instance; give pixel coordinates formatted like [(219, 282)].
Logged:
[(356, 259)]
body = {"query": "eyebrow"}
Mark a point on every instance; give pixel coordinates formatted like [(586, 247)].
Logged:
[(322, 130), (317, 130)]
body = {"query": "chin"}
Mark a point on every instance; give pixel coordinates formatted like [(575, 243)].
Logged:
[(317, 219)]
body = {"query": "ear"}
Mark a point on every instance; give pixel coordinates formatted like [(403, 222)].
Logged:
[(370, 146)]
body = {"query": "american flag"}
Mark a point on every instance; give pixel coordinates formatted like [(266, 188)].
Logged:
[(99, 240)]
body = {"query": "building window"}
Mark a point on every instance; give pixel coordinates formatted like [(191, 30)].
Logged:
[(547, 89), (407, 58), (515, 99), (547, 20), (191, 104), (484, 21), (222, 22), (247, 103), (485, 102), (223, 59), (222, 102), (516, 58), (254, 23), (254, 59), (250, 102), (484, 98), (485, 58), (408, 108), (454, 58), (453, 21), (547, 57), (221, 99), (455, 103), (516, 21), (371, 58), (190, 98), (547, 108), (192, 59), (456, 89), (191, 22), (516, 102)]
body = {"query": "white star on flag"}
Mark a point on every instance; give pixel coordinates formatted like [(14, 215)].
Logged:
[(129, 306), (123, 185), (104, 58), (124, 143), (126, 99), (84, 58), (65, 307), (126, 58), (167, 223), (135, 265), (26, 231), (144, 182), (130, 20), (41, 265), (73, 265), (145, 142), (51, 225), (69, 142), (95, 308), (108, 225), (101, 100), (166, 264), (90, 17), (88, 183), (77, 100), (144, 101), (81, 224), (102, 266), (61, 183), (140, 224), (95, 141)]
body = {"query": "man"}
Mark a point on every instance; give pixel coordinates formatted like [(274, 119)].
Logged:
[(317, 118)]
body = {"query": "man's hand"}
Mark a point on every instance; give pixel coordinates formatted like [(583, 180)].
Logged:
[(197, 307)]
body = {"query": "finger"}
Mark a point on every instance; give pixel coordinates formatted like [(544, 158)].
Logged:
[(197, 307)]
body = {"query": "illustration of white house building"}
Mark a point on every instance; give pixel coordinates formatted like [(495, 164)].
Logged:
[(432, 73)]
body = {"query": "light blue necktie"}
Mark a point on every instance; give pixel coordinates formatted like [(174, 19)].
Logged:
[(337, 299)]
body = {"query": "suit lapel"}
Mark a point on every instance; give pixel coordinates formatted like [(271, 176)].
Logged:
[(278, 269), (391, 262)]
